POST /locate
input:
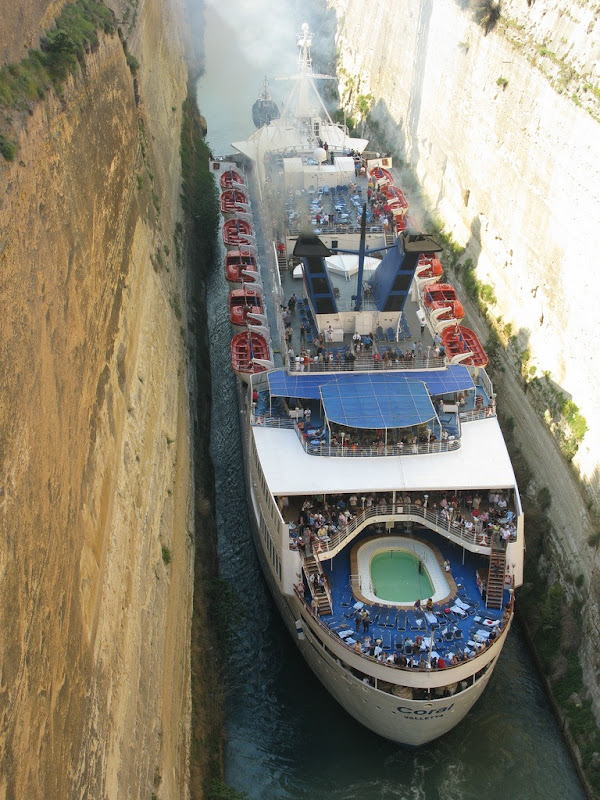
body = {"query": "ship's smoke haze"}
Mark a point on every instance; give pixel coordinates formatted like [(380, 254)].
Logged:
[(245, 41), (265, 35)]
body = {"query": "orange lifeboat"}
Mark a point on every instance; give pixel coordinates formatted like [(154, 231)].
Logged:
[(463, 346), (234, 201), (237, 263), (245, 348), (429, 268), (442, 299), (236, 232), (231, 177), (241, 303)]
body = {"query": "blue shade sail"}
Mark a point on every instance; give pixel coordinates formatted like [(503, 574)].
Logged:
[(306, 385), (371, 401)]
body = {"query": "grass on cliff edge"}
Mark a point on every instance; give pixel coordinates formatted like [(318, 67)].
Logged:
[(62, 50)]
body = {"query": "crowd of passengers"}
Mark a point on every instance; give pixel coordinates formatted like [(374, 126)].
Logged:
[(320, 519), (416, 654)]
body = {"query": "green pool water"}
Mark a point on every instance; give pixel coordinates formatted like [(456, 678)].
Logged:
[(395, 577)]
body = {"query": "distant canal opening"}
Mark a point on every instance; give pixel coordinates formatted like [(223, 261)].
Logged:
[(400, 577)]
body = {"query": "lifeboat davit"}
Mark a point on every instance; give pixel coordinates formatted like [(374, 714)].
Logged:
[(429, 269), (236, 232), (243, 302), (463, 346), (381, 176), (250, 355), (232, 178), (234, 201), (240, 267), (442, 302)]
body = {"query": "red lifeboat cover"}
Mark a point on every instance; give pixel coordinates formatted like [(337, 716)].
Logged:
[(379, 174), (244, 347), (235, 262), (233, 229), (230, 177), (396, 199), (242, 302), (233, 200), (429, 266), (443, 295), (459, 339)]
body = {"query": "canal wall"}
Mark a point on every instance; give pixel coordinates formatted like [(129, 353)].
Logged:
[(96, 485)]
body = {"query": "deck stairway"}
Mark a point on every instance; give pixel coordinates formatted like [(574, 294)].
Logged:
[(389, 236), (282, 261), (495, 581), (312, 566)]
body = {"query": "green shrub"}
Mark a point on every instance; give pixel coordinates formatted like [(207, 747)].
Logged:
[(544, 498), (167, 556), (62, 49), (8, 149), (486, 13), (503, 82)]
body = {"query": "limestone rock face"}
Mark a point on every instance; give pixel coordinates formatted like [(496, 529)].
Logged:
[(511, 164), (95, 449)]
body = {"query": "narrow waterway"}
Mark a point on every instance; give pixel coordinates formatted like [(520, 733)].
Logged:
[(286, 737)]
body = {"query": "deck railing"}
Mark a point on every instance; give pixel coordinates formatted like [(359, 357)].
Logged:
[(399, 511), (321, 447), (477, 413), (364, 364)]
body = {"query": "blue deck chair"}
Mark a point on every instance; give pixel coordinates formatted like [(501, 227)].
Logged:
[(390, 335), (375, 612), (379, 334), (391, 620), (386, 640), (401, 621), (414, 624), (399, 642), (346, 598)]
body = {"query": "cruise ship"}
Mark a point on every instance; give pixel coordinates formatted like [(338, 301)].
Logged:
[(387, 516)]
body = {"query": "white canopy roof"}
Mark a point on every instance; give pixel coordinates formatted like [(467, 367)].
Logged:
[(347, 264), (481, 462)]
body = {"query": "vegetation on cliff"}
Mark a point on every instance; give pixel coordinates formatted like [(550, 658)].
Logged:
[(62, 51)]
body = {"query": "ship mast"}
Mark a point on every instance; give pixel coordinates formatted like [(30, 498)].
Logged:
[(301, 101)]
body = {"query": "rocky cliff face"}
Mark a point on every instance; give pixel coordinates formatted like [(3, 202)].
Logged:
[(503, 133), (95, 450)]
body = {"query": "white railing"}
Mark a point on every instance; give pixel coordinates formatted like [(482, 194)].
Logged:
[(362, 364), (484, 380), (477, 413), (323, 448), (396, 512)]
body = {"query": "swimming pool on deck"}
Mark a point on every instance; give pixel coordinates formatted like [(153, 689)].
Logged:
[(396, 570)]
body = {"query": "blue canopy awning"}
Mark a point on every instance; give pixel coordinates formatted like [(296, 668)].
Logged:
[(370, 400), (306, 385)]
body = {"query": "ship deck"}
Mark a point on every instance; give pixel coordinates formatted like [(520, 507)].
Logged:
[(455, 634)]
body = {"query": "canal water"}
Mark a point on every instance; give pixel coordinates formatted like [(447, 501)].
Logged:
[(286, 737)]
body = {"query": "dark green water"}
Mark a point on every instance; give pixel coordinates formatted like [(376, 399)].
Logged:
[(395, 576), (286, 737)]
